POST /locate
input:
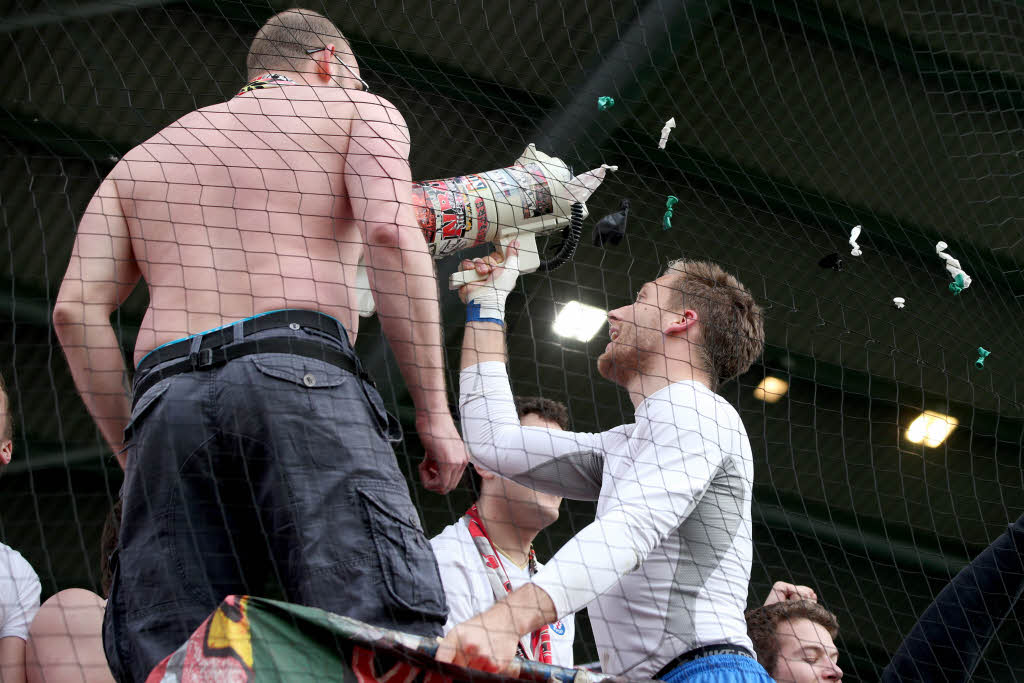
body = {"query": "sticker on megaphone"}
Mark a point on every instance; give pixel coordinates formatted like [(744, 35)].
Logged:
[(535, 196)]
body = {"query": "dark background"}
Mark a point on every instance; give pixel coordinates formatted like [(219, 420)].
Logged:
[(796, 121)]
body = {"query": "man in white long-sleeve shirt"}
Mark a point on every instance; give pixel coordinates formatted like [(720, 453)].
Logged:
[(664, 568)]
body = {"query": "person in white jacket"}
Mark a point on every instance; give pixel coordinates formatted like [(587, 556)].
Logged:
[(664, 568), (19, 584), (489, 552)]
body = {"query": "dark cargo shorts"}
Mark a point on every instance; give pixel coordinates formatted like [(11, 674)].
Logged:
[(271, 469)]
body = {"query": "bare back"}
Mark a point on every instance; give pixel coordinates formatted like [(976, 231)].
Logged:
[(243, 207)]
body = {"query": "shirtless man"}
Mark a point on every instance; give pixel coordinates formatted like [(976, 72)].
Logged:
[(255, 446)]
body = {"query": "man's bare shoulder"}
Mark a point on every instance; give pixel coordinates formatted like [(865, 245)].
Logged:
[(367, 106), (185, 141)]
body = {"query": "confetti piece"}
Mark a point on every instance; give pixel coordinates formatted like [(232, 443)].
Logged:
[(833, 261), (666, 222), (612, 227), (899, 301), (854, 234), (604, 103), (665, 130), (982, 355), (961, 280), (957, 285)]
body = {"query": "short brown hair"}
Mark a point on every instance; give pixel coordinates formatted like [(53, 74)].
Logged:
[(284, 39), (763, 623), (544, 408), (731, 322)]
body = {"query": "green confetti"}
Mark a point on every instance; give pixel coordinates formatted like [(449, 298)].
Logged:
[(957, 286), (666, 222)]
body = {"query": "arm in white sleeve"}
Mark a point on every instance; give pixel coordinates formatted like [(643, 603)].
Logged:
[(561, 463), (24, 598), (667, 478)]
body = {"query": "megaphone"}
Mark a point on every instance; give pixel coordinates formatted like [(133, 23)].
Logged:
[(535, 196)]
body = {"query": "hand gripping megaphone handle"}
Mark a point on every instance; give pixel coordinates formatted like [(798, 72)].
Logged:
[(529, 260)]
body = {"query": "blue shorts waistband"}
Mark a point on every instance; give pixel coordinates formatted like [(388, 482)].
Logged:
[(719, 669)]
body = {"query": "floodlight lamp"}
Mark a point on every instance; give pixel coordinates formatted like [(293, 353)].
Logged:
[(579, 321), (771, 389), (931, 428)]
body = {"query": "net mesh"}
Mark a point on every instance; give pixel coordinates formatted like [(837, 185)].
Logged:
[(795, 122)]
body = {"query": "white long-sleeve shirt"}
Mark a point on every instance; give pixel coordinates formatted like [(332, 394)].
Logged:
[(665, 566), (19, 594)]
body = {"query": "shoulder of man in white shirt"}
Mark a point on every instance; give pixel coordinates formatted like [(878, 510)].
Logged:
[(19, 593)]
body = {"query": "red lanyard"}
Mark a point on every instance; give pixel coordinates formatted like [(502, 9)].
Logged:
[(540, 640)]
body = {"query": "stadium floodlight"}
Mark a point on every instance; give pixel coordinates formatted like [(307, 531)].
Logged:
[(931, 428), (579, 321), (771, 389)]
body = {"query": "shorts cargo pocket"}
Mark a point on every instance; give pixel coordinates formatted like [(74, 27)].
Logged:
[(305, 372), (407, 560), (141, 408), (306, 380), (389, 426)]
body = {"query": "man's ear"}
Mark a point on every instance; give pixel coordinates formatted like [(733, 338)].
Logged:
[(6, 448), (326, 63), (680, 323)]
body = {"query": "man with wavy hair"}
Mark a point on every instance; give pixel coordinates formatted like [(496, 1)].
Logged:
[(794, 636), (664, 569)]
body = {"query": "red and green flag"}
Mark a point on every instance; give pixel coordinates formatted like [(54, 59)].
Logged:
[(253, 640)]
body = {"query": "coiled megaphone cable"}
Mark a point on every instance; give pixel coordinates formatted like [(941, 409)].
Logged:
[(570, 240)]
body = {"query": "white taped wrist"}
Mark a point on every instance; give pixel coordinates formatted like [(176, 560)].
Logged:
[(487, 302), (487, 305)]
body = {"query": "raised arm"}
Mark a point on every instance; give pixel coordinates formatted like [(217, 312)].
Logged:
[(568, 464), (100, 276), (401, 275), (561, 463)]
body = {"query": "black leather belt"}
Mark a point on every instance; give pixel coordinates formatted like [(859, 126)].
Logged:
[(701, 652), (217, 348), (225, 335)]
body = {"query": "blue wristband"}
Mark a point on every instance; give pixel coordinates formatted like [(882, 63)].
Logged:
[(473, 315)]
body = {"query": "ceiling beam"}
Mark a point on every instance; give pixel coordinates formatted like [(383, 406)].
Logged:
[(948, 71), (31, 456), (856, 540), (22, 126), (72, 12)]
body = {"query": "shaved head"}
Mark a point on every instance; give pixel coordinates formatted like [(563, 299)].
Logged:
[(282, 43)]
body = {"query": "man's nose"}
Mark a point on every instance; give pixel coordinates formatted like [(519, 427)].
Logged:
[(833, 673)]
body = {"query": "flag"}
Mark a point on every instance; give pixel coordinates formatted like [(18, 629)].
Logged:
[(253, 640)]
